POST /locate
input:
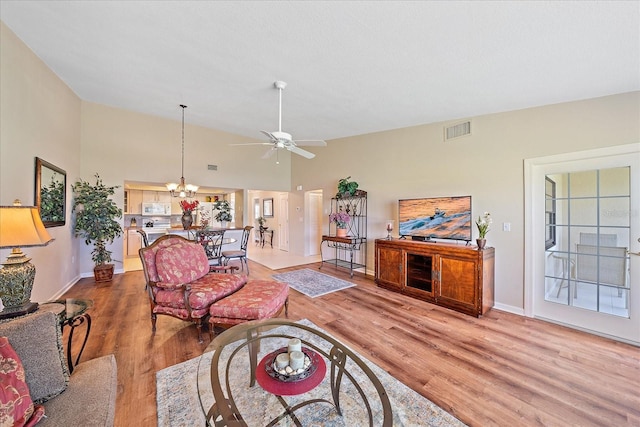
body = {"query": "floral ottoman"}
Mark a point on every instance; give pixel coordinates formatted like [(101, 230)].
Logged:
[(258, 299)]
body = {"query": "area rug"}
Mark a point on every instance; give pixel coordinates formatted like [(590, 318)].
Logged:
[(179, 405), (312, 283)]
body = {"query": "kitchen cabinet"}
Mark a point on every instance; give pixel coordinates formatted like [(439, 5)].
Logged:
[(134, 202), (134, 243), (156, 197), (176, 209), (453, 276)]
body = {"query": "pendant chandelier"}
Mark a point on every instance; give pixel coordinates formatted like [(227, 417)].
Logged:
[(182, 190)]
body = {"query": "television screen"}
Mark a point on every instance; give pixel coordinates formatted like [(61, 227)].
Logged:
[(436, 218)]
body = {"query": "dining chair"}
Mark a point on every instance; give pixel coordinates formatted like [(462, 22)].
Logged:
[(211, 241), (240, 254), (145, 239)]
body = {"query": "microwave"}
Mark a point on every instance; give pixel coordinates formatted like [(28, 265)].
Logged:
[(156, 209)]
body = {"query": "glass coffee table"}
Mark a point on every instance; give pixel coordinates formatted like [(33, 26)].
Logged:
[(239, 383)]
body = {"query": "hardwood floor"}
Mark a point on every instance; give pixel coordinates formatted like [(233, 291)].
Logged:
[(501, 369)]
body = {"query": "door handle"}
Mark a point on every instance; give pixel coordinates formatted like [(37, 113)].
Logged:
[(633, 253)]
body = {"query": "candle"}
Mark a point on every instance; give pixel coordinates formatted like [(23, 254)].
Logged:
[(282, 361), (296, 360), (295, 345)]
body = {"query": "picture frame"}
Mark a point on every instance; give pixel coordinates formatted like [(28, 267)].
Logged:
[(267, 208), (50, 193)]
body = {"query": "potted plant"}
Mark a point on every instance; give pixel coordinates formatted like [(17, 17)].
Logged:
[(224, 212), (261, 222), (346, 188), (483, 223), (341, 219), (96, 215)]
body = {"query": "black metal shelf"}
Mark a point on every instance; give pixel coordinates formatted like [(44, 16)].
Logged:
[(350, 251)]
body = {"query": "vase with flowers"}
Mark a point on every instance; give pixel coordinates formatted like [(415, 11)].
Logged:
[(483, 223), (187, 212), (341, 219)]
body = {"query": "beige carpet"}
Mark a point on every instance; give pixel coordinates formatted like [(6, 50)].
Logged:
[(179, 405)]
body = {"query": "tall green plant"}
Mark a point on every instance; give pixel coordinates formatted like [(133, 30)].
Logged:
[(96, 215)]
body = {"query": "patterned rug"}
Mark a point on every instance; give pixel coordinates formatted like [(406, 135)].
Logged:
[(312, 283), (179, 405)]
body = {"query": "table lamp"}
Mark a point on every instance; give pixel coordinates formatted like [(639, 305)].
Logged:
[(20, 227)]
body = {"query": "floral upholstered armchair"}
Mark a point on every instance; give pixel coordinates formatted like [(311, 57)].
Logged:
[(179, 283)]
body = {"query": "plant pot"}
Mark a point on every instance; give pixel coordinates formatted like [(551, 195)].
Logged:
[(481, 243), (187, 220), (341, 232), (103, 272)]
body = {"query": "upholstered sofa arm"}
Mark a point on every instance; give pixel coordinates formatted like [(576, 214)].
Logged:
[(86, 398), (90, 398)]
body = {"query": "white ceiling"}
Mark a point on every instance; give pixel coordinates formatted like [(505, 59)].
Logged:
[(351, 67)]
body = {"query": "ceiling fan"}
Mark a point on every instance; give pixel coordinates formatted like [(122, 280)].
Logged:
[(279, 139)]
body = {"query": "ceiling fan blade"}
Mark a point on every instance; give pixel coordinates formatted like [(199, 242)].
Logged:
[(254, 143), (300, 151), (311, 142), (269, 135), (269, 153)]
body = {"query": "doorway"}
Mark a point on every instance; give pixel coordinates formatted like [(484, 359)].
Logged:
[(580, 263), (313, 203)]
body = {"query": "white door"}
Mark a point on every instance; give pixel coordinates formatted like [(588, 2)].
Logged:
[(582, 268), (314, 222), (283, 223)]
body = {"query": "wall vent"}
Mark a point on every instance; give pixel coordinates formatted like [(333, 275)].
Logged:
[(458, 130), (212, 167)]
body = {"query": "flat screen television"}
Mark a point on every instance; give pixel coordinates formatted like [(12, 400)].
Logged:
[(435, 218)]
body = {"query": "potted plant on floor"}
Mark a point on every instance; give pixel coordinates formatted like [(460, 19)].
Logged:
[(96, 215)]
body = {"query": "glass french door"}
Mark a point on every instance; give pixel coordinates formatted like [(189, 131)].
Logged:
[(585, 217)]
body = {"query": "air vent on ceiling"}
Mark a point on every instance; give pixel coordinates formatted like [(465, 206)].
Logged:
[(212, 167), (458, 130)]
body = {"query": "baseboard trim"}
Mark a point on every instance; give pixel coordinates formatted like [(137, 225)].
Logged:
[(509, 309)]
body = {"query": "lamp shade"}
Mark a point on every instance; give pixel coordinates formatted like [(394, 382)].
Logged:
[(21, 227)]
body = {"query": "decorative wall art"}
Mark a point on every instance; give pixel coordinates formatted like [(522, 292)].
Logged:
[(267, 208), (50, 193)]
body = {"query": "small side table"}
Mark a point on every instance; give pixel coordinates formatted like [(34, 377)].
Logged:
[(74, 315), (263, 237)]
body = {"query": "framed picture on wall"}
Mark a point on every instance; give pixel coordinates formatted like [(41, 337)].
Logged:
[(50, 193), (267, 208)]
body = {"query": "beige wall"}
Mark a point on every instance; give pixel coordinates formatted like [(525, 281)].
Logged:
[(39, 117), (488, 165), (123, 146)]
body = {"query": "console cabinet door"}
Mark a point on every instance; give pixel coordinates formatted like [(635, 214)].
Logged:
[(457, 285), (389, 271)]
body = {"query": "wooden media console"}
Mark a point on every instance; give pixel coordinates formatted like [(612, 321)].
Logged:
[(453, 276)]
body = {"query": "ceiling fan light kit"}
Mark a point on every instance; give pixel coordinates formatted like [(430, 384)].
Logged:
[(279, 139)]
